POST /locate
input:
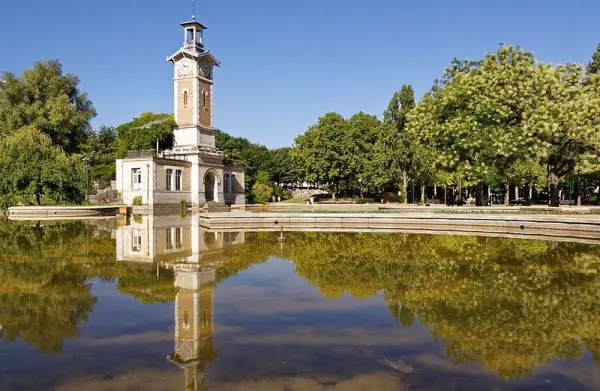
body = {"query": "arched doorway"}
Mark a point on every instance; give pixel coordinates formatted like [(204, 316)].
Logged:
[(210, 187)]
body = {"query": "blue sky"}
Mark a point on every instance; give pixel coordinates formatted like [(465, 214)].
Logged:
[(283, 62)]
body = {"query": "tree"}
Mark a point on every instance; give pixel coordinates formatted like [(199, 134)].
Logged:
[(593, 67), (565, 122), (474, 120), (142, 133), (30, 166), (393, 152), (282, 167), (48, 100), (358, 147), (319, 152), (261, 192), (507, 108), (100, 148), (253, 157)]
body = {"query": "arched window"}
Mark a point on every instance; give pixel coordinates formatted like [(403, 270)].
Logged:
[(205, 98), (185, 98)]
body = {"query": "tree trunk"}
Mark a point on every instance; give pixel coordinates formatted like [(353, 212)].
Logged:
[(445, 196), (553, 185), (38, 199), (403, 194), (423, 194), (507, 193)]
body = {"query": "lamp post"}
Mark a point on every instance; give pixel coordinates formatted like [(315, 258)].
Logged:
[(87, 181)]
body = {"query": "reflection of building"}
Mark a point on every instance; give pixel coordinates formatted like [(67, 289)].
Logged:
[(194, 342), (168, 239), (195, 255)]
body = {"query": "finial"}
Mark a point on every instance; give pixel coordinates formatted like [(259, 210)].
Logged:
[(193, 9)]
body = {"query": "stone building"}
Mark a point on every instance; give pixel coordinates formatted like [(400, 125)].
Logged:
[(194, 170)]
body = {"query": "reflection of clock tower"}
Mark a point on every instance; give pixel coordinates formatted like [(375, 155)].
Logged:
[(193, 91), (194, 342)]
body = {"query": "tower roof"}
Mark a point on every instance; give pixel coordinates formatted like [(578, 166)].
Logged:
[(194, 23)]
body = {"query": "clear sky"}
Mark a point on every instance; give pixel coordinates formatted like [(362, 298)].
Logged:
[(283, 62)]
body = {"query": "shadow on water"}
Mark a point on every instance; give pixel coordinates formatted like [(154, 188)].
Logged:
[(161, 303)]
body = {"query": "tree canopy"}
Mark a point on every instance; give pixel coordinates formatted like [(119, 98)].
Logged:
[(31, 167), (48, 100), (142, 133)]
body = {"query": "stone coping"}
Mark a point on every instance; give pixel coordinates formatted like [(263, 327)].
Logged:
[(60, 212), (570, 226)]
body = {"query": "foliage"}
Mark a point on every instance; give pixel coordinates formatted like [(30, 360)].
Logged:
[(319, 152), (100, 148), (491, 114), (511, 305), (137, 200), (392, 161), (48, 100), (142, 133), (261, 192), (593, 67), (31, 166)]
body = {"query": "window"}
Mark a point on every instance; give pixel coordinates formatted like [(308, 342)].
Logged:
[(136, 178), (169, 239), (185, 98), (232, 184), (226, 182), (169, 179), (190, 35), (178, 180), (136, 240), (205, 98), (178, 243)]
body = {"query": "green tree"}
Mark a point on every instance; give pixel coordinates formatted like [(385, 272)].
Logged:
[(359, 142), (392, 158), (253, 157), (30, 166), (261, 192), (593, 67), (100, 148), (566, 121), (283, 170), (142, 132), (48, 100), (319, 152)]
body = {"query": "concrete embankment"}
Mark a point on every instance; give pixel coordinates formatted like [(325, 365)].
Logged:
[(564, 226), (60, 212)]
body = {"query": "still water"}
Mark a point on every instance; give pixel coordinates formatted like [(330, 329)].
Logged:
[(161, 304)]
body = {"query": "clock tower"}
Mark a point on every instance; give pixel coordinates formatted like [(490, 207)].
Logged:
[(194, 170), (193, 92)]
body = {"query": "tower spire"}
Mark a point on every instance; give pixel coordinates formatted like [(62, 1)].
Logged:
[(193, 9)]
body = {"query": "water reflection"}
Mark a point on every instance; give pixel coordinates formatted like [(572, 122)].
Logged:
[(332, 311), (194, 342)]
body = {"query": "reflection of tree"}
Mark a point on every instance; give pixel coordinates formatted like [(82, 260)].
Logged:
[(146, 285), (509, 304), (44, 274)]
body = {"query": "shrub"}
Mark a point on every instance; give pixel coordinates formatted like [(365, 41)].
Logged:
[(183, 203), (137, 200), (261, 192)]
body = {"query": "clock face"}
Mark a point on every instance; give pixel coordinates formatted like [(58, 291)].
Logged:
[(185, 66)]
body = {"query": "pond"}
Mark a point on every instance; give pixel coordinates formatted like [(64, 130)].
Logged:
[(158, 303)]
